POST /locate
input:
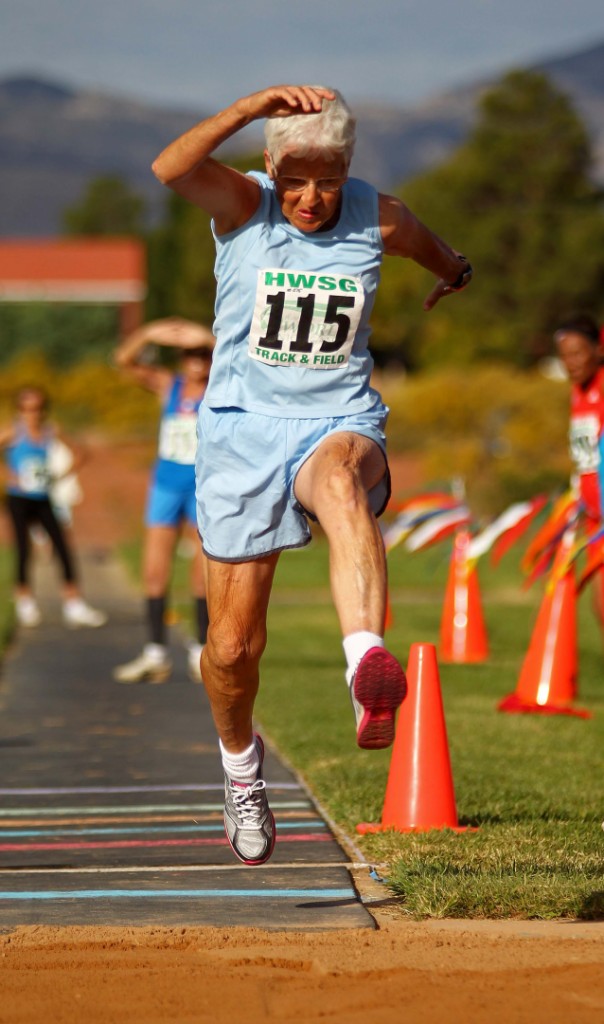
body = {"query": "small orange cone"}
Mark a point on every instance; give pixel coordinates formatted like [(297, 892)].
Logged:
[(463, 635), (388, 616), (419, 793), (548, 679)]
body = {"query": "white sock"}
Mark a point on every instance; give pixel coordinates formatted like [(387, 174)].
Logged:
[(156, 652), (355, 646), (241, 767)]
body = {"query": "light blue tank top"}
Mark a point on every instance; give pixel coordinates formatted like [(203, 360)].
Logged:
[(175, 465), (292, 310), (28, 460)]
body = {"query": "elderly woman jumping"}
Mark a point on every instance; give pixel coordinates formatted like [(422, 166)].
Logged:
[(290, 429)]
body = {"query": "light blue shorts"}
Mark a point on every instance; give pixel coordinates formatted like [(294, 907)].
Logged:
[(167, 507), (246, 470)]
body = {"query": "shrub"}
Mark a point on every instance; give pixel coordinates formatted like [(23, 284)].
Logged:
[(89, 395), (503, 431)]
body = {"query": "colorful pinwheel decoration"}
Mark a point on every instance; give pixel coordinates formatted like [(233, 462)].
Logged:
[(429, 518), (567, 520), (433, 517)]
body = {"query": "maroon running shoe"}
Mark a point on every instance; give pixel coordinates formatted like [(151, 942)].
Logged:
[(378, 688)]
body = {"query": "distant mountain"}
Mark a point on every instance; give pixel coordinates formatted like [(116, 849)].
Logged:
[(54, 139), (393, 145)]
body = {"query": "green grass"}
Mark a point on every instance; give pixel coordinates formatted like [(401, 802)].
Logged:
[(532, 784), (6, 606)]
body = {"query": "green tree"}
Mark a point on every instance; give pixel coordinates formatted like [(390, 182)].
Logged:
[(108, 207), (181, 256), (519, 200), (66, 333)]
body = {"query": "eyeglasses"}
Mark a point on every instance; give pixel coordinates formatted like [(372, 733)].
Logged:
[(328, 185), (197, 353)]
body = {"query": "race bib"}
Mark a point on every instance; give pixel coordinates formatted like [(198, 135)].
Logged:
[(178, 439), (305, 319), (33, 475), (584, 437)]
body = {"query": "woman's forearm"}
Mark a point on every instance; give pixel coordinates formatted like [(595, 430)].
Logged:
[(190, 150)]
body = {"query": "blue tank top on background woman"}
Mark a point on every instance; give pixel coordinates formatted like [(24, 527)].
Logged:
[(175, 465), (293, 308), (28, 461)]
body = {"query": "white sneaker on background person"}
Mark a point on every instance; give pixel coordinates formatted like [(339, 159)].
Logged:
[(27, 612), (77, 613), (193, 662), (152, 665)]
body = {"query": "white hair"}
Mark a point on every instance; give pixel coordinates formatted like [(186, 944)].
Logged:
[(330, 132)]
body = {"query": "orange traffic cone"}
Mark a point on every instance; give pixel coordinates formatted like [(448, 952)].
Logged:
[(463, 635), (419, 793), (388, 618), (548, 679)]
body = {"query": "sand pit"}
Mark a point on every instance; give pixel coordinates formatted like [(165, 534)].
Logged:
[(420, 971)]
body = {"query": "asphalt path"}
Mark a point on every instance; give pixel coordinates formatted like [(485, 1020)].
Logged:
[(111, 794)]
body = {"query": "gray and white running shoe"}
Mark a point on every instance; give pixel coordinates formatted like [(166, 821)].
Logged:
[(248, 819)]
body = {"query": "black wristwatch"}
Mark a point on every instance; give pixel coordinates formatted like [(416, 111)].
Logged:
[(464, 278)]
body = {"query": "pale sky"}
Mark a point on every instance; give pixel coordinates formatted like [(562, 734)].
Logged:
[(205, 53)]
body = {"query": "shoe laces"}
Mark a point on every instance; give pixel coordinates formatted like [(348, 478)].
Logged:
[(249, 803)]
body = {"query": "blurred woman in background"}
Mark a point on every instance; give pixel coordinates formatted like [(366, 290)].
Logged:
[(29, 443)]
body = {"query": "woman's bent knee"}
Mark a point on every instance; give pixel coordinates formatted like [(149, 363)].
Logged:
[(340, 494), (231, 652)]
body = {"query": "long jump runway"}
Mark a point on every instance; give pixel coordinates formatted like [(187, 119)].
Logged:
[(111, 795)]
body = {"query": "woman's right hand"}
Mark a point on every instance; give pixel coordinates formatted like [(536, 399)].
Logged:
[(166, 331), (283, 101)]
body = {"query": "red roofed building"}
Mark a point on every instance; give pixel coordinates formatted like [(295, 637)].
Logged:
[(99, 270)]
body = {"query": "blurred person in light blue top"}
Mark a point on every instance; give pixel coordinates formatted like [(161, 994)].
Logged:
[(170, 511), (290, 429)]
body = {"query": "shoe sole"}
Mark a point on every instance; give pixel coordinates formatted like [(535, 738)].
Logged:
[(85, 625), (149, 677), (380, 686)]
